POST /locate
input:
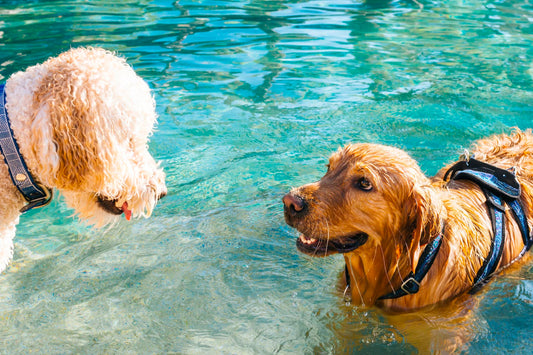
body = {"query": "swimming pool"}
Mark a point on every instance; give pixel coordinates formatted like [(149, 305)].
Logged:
[(252, 98)]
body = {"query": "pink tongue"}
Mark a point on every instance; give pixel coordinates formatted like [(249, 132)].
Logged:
[(127, 212)]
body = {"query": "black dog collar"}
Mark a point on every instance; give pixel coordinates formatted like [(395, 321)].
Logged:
[(36, 194)]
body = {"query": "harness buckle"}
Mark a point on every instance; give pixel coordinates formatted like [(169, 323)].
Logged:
[(410, 286), (466, 156)]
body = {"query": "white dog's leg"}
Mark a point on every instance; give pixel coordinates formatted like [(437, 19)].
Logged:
[(6, 245)]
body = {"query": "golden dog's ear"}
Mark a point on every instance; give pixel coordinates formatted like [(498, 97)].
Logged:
[(424, 221)]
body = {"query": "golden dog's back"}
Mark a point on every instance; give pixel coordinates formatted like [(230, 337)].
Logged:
[(507, 151), (514, 152)]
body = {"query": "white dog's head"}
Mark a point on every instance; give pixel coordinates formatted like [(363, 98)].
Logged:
[(82, 121)]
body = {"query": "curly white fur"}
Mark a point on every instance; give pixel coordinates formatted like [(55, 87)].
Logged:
[(82, 122)]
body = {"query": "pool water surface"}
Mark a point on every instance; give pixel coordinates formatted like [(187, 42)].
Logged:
[(253, 96)]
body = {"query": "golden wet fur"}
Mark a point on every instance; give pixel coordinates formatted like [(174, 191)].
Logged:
[(404, 210), (82, 122)]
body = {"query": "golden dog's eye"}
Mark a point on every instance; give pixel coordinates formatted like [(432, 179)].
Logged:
[(363, 184)]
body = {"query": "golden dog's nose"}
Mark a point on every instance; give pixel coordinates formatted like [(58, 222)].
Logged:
[(293, 204)]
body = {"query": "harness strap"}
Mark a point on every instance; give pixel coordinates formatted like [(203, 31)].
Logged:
[(501, 188), (497, 216), (412, 283), (520, 217), (36, 194)]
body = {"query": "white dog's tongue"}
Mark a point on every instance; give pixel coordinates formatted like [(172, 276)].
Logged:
[(127, 212)]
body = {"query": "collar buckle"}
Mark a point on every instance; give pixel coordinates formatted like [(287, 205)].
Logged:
[(410, 286), (41, 201)]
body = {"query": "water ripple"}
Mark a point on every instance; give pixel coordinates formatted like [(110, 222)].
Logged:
[(252, 98)]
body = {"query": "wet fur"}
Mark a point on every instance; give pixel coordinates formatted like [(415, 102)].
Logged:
[(404, 211)]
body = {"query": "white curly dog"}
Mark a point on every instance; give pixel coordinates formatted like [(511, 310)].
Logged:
[(81, 121)]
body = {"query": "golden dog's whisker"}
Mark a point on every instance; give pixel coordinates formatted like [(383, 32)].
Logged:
[(385, 266), (408, 254), (356, 285), (327, 239), (374, 257), (315, 231), (398, 270)]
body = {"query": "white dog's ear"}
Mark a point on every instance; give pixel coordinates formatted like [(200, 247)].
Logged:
[(68, 124), (424, 218), (43, 147)]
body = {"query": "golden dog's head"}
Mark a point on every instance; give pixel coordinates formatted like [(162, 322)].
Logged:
[(372, 197)]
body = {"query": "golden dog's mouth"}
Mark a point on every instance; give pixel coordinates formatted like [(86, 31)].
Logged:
[(324, 247)]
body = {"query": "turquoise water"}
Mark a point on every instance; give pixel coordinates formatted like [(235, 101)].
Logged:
[(252, 98)]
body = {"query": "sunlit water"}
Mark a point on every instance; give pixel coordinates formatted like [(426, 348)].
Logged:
[(253, 96)]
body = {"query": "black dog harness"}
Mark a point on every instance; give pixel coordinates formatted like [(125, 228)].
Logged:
[(500, 188), (34, 193)]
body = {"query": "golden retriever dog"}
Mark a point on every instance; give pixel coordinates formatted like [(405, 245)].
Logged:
[(376, 207)]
